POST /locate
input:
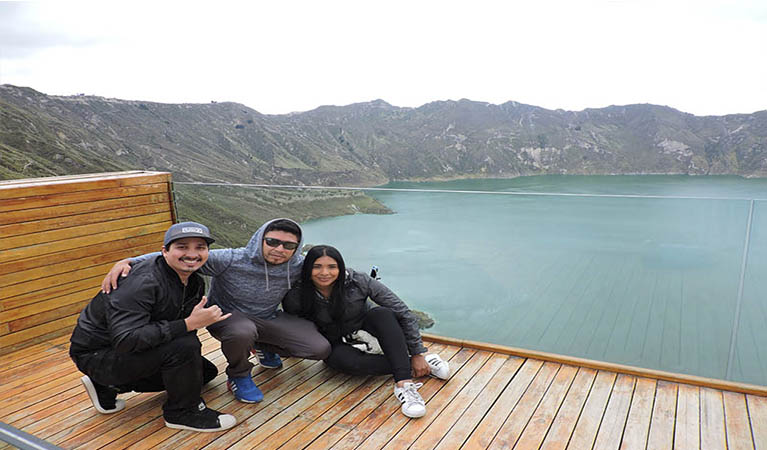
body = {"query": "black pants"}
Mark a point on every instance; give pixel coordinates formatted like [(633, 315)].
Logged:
[(176, 367), (381, 323)]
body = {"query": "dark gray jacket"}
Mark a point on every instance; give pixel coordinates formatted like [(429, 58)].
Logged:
[(358, 287)]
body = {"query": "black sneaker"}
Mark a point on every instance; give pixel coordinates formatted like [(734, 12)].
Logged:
[(104, 399), (201, 418)]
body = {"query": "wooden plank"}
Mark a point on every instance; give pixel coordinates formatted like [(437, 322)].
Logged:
[(757, 409), (12, 315), (285, 387), (35, 412), (31, 368), (663, 416), (55, 223), (13, 388), (12, 360), (564, 423), (38, 391), (56, 185), (78, 428), (638, 422), (588, 424), (539, 424), (24, 335), (71, 383), (90, 231), (320, 424), (273, 383), (614, 421), (34, 340), (136, 438), (63, 278), (276, 430), (712, 419), (74, 429), (478, 408), (80, 177), (83, 241), (73, 265), (368, 408), (687, 429), (44, 201), (517, 421), (268, 410), (390, 406), (737, 424), (396, 420), (493, 421), (53, 292), (96, 253), (444, 393), (47, 316), (25, 215), (601, 365)]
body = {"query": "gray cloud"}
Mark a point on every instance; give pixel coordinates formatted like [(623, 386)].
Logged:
[(22, 34)]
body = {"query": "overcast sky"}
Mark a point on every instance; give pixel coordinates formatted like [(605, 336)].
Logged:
[(701, 57)]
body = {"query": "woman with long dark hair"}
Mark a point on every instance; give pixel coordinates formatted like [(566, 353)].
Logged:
[(335, 298)]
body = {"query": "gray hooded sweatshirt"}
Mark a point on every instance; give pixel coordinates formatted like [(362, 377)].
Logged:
[(241, 280)]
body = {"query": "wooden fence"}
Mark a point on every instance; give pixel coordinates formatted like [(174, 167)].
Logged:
[(58, 238)]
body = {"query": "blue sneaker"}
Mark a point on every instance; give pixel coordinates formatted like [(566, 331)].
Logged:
[(268, 360), (244, 389)]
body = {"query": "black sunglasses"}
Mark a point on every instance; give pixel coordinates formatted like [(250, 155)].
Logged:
[(287, 245)]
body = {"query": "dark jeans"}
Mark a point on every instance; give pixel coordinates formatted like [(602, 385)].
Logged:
[(176, 367), (381, 323)]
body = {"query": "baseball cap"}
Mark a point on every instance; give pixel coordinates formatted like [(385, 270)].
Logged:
[(187, 229)]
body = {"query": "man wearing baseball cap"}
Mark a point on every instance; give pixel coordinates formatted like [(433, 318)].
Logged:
[(143, 336)]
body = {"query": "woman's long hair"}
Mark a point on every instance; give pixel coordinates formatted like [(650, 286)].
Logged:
[(308, 291)]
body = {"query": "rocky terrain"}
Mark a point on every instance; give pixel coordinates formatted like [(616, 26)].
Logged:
[(362, 144)]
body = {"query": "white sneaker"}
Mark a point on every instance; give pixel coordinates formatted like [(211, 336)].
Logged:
[(439, 367), (412, 403)]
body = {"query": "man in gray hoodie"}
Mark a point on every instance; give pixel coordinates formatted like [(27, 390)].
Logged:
[(249, 282)]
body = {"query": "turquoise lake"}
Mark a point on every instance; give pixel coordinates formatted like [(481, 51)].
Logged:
[(658, 276)]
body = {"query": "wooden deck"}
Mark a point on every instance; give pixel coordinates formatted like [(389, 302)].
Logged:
[(492, 400)]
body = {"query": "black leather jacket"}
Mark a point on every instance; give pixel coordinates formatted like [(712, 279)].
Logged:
[(357, 289), (146, 310)]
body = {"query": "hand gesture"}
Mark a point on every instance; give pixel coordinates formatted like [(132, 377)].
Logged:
[(202, 316)]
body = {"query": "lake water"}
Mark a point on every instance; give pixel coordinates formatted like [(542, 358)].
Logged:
[(655, 279)]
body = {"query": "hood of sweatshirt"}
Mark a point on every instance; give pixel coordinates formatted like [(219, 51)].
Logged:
[(241, 280), (255, 250)]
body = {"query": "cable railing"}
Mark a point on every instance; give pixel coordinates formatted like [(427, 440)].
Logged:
[(669, 282)]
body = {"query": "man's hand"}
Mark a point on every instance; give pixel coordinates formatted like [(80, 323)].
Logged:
[(202, 316), (420, 366), (120, 269)]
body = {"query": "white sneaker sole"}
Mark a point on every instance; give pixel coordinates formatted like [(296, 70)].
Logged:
[(227, 421), (91, 390)]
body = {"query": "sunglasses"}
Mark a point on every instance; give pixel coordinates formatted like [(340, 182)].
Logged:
[(287, 245)]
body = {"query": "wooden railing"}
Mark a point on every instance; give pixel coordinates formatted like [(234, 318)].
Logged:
[(58, 238)]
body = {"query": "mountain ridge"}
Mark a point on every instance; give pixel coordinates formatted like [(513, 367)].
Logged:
[(367, 143)]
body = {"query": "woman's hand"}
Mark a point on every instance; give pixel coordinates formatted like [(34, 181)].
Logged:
[(419, 365)]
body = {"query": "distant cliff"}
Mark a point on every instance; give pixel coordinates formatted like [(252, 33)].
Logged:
[(366, 143)]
